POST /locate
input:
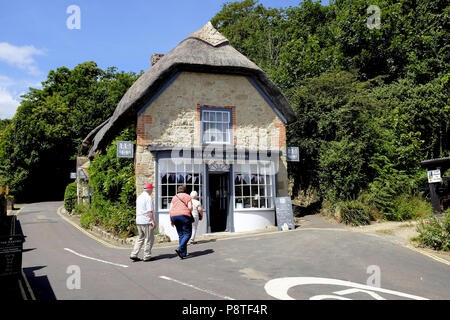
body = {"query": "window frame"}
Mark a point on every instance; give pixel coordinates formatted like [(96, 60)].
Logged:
[(229, 133), (269, 187), (200, 184)]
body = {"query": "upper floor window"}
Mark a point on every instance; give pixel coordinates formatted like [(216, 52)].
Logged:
[(217, 125)]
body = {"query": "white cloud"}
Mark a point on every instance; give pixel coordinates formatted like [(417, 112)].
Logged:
[(8, 104), (21, 57)]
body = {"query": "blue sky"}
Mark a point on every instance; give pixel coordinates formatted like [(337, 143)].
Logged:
[(34, 37)]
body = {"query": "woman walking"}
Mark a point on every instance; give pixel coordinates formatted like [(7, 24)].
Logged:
[(197, 213), (181, 218)]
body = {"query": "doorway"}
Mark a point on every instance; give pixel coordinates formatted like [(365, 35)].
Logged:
[(218, 201)]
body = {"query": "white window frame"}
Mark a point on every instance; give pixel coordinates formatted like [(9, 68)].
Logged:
[(209, 121), (182, 166), (269, 186)]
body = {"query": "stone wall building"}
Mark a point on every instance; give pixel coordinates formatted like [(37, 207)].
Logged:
[(208, 118)]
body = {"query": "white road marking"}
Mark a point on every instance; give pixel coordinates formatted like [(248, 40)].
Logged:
[(83, 256), (196, 288), (278, 288)]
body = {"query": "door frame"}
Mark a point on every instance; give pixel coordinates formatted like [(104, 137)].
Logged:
[(229, 210)]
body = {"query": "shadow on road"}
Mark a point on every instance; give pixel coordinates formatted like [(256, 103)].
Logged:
[(199, 253), (40, 285)]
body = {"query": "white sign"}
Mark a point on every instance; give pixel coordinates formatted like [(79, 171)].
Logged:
[(293, 154), (73, 175), (125, 149), (434, 176)]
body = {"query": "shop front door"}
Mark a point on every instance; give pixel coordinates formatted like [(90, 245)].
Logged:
[(218, 208)]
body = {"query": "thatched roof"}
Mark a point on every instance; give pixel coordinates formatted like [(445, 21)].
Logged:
[(206, 50)]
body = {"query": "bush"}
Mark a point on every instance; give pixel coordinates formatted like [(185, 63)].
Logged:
[(435, 234), (354, 212), (88, 218), (114, 183), (70, 197), (406, 207)]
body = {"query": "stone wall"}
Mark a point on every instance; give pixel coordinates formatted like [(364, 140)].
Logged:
[(173, 120)]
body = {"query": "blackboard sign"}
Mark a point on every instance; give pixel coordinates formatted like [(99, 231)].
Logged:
[(284, 212), (11, 255), (125, 149)]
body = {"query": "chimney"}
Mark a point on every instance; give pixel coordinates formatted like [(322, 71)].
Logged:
[(155, 58)]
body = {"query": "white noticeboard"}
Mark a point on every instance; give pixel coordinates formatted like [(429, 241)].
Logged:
[(434, 176), (125, 149)]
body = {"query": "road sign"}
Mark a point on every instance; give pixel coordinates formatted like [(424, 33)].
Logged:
[(434, 176), (293, 154), (125, 149)]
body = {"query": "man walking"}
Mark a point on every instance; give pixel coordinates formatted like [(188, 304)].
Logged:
[(145, 223)]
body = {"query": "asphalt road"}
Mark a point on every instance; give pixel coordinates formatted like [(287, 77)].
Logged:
[(61, 262)]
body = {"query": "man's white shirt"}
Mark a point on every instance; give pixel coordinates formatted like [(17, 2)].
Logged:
[(144, 204)]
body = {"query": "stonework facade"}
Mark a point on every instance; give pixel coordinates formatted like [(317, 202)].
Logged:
[(173, 119)]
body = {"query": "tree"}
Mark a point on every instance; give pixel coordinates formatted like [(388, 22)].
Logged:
[(39, 146)]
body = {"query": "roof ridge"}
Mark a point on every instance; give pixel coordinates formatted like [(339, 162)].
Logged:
[(210, 35)]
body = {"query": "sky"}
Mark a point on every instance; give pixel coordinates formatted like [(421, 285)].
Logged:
[(43, 35)]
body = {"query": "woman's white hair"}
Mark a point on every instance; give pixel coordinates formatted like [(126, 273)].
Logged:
[(194, 194)]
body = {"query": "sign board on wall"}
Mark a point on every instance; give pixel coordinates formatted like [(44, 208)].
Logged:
[(125, 149), (284, 212), (434, 176), (293, 154)]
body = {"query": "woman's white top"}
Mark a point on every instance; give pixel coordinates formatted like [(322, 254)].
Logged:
[(195, 205)]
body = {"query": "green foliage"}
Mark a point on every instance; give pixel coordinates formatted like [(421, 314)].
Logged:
[(370, 103), (354, 212), (407, 207), (434, 233), (113, 182), (88, 217), (39, 145), (70, 197)]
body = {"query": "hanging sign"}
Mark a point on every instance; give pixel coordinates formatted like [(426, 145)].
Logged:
[(293, 154)]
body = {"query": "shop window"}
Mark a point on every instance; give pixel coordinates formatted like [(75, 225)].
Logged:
[(172, 175), (253, 186)]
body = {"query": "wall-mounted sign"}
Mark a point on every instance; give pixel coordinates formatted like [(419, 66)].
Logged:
[(73, 175), (293, 154), (434, 176), (81, 174), (125, 149)]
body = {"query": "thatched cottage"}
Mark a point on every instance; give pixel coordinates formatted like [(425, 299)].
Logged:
[(209, 118)]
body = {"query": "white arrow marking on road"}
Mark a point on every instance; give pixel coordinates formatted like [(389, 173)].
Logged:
[(278, 288), (194, 287), (83, 256)]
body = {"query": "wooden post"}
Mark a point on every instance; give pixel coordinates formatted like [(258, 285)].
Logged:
[(435, 202)]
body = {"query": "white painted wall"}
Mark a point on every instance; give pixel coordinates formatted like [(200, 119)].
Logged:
[(166, 228), (247, 220)]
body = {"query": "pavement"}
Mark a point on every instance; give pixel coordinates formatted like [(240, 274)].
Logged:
[(318, 260)]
